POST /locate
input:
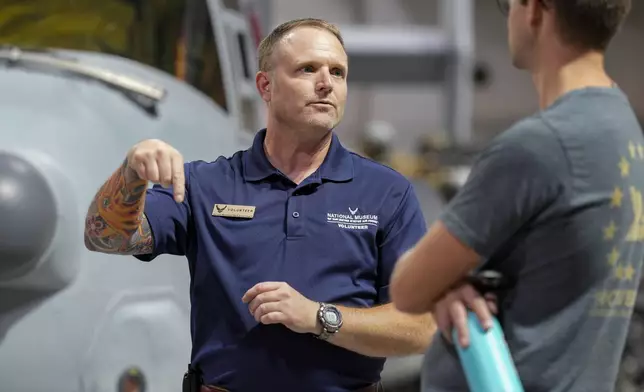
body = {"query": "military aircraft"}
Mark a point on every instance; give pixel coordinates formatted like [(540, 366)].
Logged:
[(81, 82)]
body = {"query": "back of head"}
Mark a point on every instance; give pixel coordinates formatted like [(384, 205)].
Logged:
[(589, 24)]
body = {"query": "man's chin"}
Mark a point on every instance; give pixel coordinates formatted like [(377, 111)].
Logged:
[(518, 65), (519, 62), (323, 124)]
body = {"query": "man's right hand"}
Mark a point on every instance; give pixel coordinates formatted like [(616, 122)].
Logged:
[(156, 161)]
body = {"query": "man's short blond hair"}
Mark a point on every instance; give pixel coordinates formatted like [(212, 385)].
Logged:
[(270, 42)]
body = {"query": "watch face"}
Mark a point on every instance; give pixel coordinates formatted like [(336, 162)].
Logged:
[(332, 317)]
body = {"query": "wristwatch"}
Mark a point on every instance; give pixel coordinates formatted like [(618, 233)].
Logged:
[(331, 320)]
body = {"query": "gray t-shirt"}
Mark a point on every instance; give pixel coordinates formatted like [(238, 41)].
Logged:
[(556, 203)]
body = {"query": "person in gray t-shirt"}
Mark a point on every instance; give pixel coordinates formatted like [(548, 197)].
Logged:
[(555, 203)]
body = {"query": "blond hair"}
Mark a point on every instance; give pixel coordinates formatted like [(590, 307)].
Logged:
[(270, 42)]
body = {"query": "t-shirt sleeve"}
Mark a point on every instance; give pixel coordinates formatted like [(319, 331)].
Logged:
[(407, 226), (169, 221), (511, 183)]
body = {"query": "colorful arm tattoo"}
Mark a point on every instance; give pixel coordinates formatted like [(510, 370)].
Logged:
[(115, 221)]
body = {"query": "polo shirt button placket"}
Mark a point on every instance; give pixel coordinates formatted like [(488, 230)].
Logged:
[(294, 209)]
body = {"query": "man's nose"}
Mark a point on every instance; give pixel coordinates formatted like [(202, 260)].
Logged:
[(324, 81)]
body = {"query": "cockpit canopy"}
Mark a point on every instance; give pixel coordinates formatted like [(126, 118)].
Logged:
[(175, 36)]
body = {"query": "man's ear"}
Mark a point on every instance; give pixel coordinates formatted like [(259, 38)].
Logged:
[(263, 84), (536, 8)]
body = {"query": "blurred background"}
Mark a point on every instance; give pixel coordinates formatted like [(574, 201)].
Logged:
[(430, 83)]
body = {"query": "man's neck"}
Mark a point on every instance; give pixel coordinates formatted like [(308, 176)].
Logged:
[(560, 77), (296, 158)]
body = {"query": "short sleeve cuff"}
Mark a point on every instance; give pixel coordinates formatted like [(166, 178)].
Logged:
[(463, 233)]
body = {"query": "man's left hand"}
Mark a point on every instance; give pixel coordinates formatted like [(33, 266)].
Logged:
[(451, 312), (279, 303)]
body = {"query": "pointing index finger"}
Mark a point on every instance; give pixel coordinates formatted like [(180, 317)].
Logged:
[(178, 179)]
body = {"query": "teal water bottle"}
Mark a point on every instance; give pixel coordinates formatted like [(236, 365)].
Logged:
[(487, 361)]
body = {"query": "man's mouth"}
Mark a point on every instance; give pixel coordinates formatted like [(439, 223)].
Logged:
[(327, 103)]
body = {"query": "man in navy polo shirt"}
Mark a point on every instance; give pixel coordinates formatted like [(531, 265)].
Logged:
[(290, 243)]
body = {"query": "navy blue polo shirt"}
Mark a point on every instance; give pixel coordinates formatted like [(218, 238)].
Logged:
[(335, 238)]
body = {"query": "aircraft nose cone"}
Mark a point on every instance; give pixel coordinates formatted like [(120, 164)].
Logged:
[(27, 213)]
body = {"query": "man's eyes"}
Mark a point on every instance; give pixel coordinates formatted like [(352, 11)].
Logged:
[(335, 72), (338, 72)]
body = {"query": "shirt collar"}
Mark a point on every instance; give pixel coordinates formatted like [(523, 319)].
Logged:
[(337, 165)]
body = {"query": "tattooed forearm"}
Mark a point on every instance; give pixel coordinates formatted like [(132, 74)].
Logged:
[(120, 201), (115, 221), (139, 243)]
